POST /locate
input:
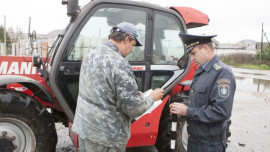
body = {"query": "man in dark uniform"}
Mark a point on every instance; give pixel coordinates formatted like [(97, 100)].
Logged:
[(210, 101)]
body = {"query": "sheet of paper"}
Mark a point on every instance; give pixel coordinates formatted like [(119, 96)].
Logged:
[(153, 107)]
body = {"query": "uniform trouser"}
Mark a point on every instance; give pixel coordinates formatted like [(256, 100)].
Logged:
[(196, 147), (88, 146)]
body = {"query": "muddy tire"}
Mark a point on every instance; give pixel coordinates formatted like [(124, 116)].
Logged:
[(228, 132), (163, 142), (25, 125)]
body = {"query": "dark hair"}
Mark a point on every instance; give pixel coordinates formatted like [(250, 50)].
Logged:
[(120, 36)]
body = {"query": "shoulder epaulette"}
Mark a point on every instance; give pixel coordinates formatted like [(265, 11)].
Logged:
[(217, 67)]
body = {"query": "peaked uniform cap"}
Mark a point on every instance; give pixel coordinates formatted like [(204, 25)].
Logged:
[(191, 41), (127, 28)]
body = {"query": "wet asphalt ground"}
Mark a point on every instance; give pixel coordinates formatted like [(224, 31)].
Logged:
[(250, 126), (251, 112)]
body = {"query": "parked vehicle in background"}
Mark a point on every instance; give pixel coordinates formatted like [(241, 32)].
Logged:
[(32, 99)]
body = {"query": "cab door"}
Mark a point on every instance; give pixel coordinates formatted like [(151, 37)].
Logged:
[(167, 51), (93, 31)]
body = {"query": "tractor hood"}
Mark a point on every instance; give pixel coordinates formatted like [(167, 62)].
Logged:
[(193, 18)]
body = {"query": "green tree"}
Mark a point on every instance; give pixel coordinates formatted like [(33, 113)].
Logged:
[(265, 53), (2, 39)]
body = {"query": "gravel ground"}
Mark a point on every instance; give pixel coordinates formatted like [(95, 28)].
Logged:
[(250, 117), (64, 142)]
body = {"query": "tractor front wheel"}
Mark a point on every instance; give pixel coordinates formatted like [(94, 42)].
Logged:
[(25, 125), (163, 142)]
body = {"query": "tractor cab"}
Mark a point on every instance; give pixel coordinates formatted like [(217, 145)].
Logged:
[(155, 64), (160, 62)]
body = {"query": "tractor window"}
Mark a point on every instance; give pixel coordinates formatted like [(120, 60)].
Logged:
[(167, 46), (140, 77), (97, 29), (159, 78)]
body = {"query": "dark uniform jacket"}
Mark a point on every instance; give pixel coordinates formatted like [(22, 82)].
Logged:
[(210, 103)]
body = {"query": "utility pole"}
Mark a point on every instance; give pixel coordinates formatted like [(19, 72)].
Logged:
[(5, 37), (266, 38), (30, 37), (261, 43)]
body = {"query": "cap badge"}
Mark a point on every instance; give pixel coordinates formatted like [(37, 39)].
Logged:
[(192, 44)]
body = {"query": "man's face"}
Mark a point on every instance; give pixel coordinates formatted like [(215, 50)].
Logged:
[(128, 46), (199, 55)]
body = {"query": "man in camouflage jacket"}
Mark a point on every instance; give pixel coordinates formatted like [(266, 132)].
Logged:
[(108, 94)]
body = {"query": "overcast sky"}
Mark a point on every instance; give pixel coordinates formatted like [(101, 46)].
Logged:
[(231, 20)]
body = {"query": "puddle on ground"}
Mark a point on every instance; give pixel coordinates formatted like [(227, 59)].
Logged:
[(252, 84), (252, 73)]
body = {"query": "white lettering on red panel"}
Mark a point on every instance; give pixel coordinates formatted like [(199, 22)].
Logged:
[(25, 68), (138, 68), (3, 67)]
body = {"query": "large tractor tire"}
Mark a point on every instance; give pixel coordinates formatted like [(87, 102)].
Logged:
[(228, 131), (163, 142), (25, 125)]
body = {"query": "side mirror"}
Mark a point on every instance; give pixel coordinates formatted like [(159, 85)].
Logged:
[(72, 7), (36, 60)]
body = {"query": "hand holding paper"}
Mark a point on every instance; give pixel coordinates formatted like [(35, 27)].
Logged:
[(157, 94)]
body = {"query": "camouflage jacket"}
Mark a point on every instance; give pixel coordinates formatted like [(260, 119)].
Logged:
[(108, 98)]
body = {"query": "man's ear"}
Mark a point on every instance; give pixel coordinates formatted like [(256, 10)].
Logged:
[(206, 47), (127, 39)]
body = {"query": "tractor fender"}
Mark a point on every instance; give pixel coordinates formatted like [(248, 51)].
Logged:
[(37, 88)]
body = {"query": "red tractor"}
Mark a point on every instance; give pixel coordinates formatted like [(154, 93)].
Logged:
[(32, 99)]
